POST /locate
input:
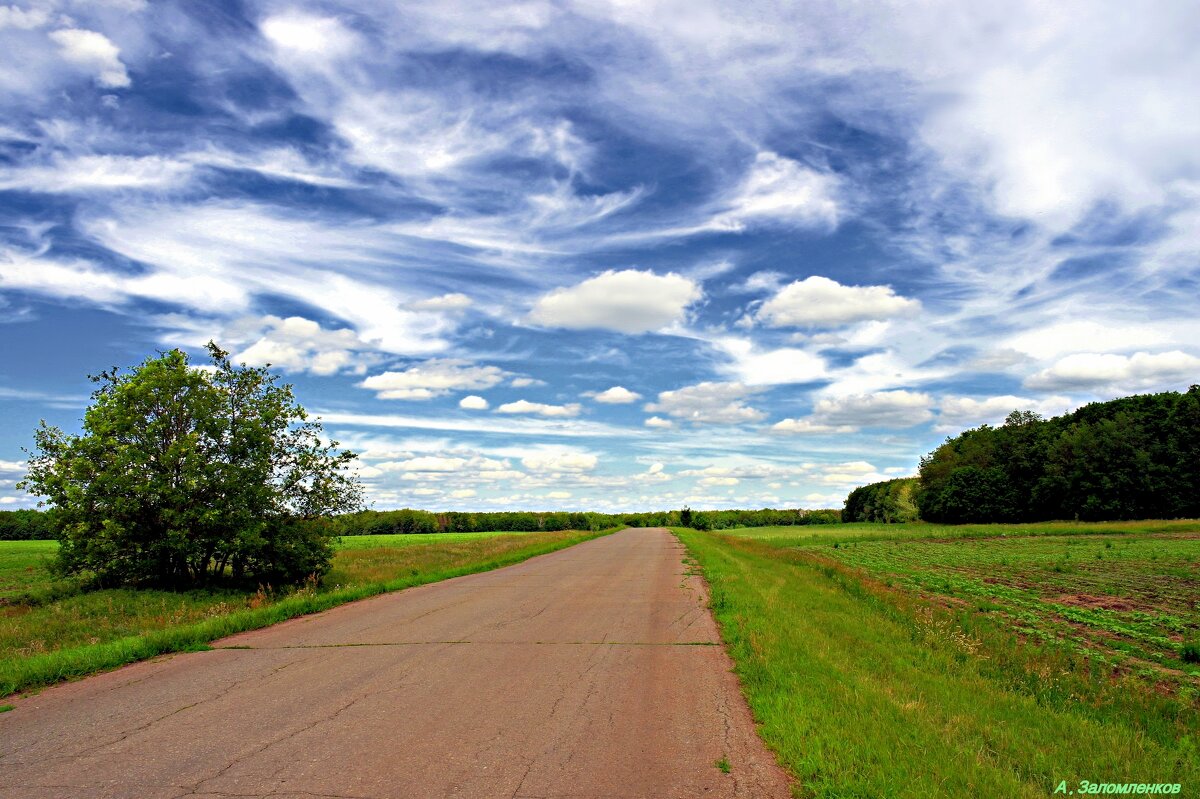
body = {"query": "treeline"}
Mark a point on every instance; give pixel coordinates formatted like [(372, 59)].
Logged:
[(25, 525), (1130, 458), (403, 522), (32, 524), (890, 501)]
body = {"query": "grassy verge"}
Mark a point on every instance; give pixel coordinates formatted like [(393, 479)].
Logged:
[(49, 639), (865, 689)]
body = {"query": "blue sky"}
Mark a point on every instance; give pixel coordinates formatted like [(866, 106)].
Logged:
[(606, 255)]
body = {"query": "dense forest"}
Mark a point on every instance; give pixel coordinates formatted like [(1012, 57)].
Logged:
[(25, 525), (1130, 458), (890, 501)]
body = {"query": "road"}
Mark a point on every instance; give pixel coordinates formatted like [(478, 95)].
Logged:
[(594, 671)]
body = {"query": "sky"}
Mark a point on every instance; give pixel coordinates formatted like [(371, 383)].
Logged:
[(605, 254)]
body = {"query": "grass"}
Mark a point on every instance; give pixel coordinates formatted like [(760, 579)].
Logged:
[(874, 671), (51, 631), (723, 765)]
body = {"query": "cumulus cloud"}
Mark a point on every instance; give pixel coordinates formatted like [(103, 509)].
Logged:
[(708, 402), (433, 378), (1092, 371), (659, 423), (820, 302), (540, 409), (628, 301), (301, 345), (617, 395), (473, 402), (95, 53)]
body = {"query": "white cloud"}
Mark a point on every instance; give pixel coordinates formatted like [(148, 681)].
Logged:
[(708, 402), (557, 460), (540, 409), (94, 52), (446, 302), (956, 413), (1085, 336), (473, 402), (463, 493), (617, 395), (306, 39), (558, 495), (756, 367), (433, 378), (845, 414), (659, 423), (23, 19), (782, 190), (218, 257), (424, 463), (1142, 370), (820, 302), (525, 382), (629, 301), (88, 173), (809, 427), (294, 344), (655, 468)]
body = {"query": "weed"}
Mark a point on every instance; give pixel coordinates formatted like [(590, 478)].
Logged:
[(723, 764), (6, 708), (1190, 652)]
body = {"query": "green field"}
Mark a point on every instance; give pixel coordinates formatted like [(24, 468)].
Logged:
[(921, 660), (52, 629)]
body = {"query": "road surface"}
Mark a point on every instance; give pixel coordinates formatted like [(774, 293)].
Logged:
[(594, 671)]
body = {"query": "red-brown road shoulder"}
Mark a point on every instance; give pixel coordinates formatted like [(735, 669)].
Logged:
[(594, 671)]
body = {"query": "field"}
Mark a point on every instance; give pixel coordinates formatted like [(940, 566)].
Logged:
[(52, 630), (920, 660)]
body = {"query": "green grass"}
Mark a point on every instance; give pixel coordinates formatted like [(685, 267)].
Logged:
[(868, 689), (47, 635)]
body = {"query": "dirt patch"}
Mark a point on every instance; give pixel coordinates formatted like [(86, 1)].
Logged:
[(1100, 602)]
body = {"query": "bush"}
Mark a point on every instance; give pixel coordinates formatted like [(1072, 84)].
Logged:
[(183, 476), (1190, 652)]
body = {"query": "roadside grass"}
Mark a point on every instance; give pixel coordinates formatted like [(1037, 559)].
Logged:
[(868, 689), (47, 638)]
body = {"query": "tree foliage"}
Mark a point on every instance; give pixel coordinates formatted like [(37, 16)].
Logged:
[(184, 475), (890, 501), (1133, 457)]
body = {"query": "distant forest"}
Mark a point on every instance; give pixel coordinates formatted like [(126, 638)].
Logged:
[(31, 524), (1130, 458)]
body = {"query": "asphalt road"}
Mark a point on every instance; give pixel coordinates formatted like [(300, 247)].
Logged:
[(594, 671)]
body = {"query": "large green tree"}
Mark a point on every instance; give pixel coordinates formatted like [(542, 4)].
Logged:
[(185, 475)]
